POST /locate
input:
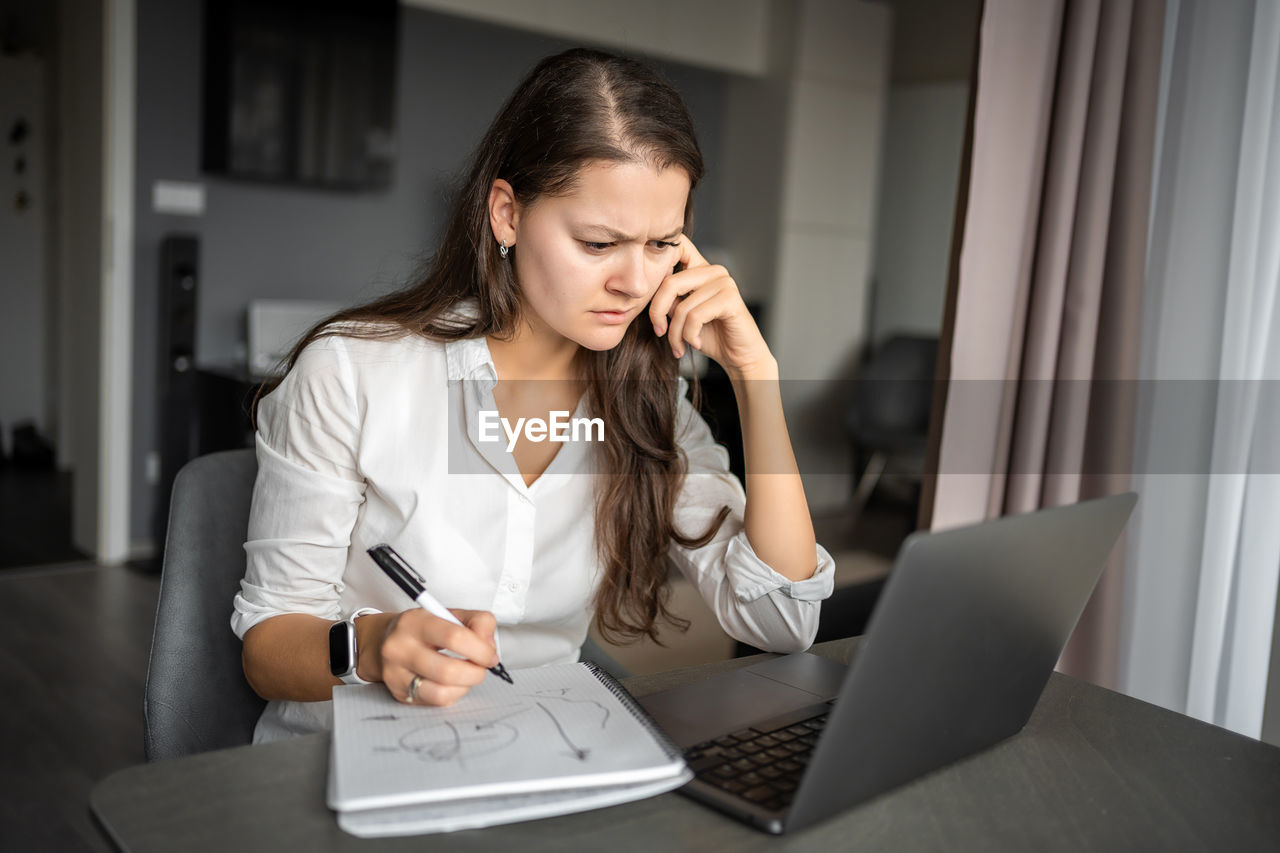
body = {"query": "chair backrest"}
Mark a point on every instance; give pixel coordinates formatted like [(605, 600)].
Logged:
[(197, 698), (894, 393)]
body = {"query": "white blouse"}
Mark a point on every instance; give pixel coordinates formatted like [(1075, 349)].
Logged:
[(370, 441)]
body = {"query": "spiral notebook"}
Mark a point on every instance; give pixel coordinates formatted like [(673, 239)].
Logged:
[(563, 738)]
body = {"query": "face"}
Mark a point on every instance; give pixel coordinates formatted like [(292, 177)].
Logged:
[(588, 263)]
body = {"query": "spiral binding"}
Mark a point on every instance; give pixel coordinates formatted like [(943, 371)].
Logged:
[(642, 716)]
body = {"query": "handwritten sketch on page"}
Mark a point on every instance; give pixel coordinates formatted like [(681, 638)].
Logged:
[(502, 727), (558, 728)]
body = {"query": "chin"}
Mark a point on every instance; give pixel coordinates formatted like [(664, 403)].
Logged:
[(600, 343), (600, 340)]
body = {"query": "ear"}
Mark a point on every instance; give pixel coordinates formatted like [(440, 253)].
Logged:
[(504, 212)]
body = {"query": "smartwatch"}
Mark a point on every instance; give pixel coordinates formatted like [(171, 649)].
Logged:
[(342, 647)]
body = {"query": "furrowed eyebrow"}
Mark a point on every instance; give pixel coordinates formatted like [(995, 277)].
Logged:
[(619, 237)]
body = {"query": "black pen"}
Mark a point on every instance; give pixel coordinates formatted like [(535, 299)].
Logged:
[(411, 582)]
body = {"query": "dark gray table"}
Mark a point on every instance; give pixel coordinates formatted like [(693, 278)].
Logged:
[(1093, 770)]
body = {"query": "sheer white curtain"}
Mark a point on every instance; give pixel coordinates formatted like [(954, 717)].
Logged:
[(1205, 553)]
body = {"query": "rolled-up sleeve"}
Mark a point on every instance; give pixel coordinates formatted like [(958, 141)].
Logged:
[(307, 494), (754, 603)]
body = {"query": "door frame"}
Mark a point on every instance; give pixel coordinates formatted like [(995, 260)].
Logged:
[(95, 376), (116, 343)]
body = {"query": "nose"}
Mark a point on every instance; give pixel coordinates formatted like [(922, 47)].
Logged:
[(629, 278)]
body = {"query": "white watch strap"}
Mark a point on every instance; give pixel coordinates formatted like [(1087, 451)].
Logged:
[(353, 677)]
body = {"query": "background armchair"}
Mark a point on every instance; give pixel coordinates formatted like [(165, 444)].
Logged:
[(888, 416)]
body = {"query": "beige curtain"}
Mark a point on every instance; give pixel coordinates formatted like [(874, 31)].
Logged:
[(1045, 307)]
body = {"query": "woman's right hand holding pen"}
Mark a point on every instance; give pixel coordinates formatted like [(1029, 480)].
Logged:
[(397, 648)]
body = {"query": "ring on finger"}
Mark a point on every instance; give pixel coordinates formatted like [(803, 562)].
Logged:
[(413, 689)]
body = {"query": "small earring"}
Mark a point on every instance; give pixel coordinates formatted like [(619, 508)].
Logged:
[(504, 250)]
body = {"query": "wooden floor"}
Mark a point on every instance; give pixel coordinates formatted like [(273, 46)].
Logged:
[(73, 657)]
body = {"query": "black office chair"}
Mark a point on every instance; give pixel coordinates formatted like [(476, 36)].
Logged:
[(197, 698), (888, 416)]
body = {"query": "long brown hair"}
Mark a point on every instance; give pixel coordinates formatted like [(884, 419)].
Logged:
[(572, 109)]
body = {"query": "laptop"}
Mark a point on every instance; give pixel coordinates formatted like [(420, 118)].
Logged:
[(957, 652)]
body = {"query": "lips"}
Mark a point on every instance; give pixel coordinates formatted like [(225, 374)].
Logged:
[(612, 317)]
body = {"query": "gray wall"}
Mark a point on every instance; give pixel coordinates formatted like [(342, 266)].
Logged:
[(265, 241), (934, 47), (23, 232), (924, 142), (29, 274)]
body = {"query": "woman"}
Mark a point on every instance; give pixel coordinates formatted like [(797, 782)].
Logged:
[(566, 282)]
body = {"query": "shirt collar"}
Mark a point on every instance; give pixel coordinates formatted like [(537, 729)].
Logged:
[(469, 358)]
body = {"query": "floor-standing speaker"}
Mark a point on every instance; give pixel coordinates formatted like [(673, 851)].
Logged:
[(177, 382)]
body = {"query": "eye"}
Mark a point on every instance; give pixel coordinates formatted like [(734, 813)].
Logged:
[(662, 244), (596, 247)]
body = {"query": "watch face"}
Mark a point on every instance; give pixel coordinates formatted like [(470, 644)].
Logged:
[(340, 649)]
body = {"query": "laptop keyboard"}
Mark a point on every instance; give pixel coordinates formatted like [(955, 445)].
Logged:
[(762, 765)]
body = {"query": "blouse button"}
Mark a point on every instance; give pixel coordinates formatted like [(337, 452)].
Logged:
[(512, 586)]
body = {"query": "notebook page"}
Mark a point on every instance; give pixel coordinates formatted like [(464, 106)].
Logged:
[(557, 727)]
